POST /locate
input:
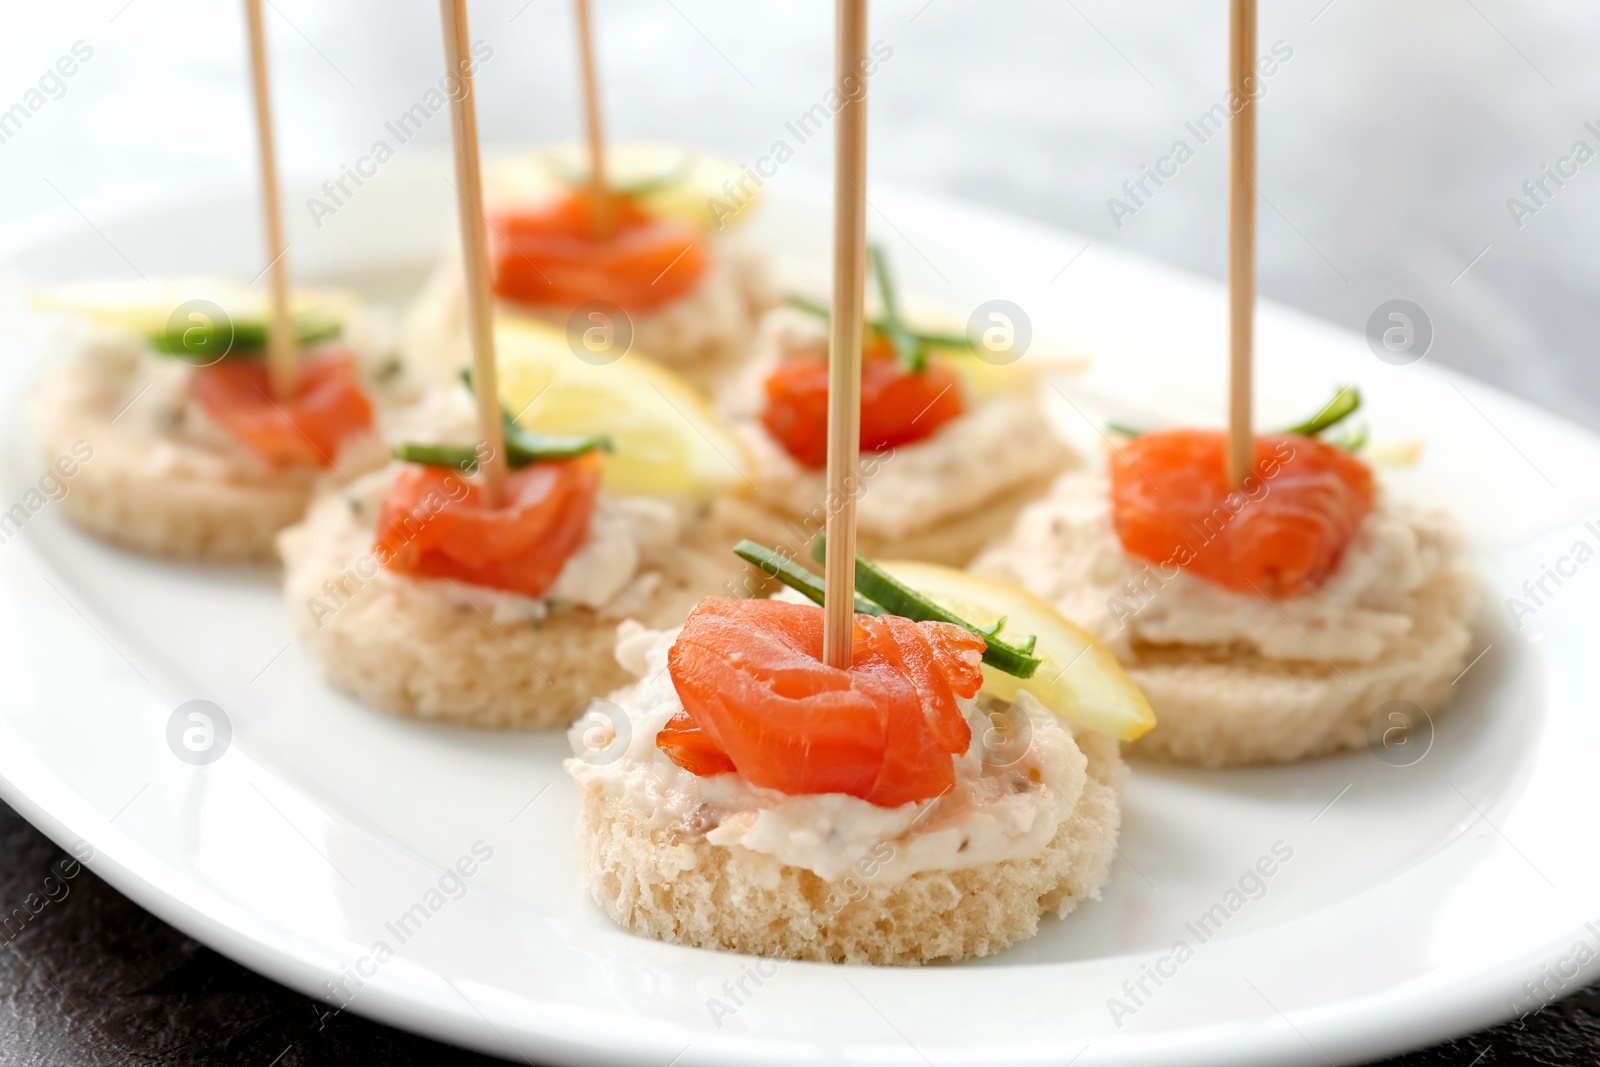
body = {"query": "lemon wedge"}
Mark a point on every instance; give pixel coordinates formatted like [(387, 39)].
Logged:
[(705, 191), (1401, 453), (148, 308), (985, 381), (666, 439), (1077, 678)]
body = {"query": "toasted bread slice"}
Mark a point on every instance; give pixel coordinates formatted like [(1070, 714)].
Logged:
[(439, 650), (669, 882)]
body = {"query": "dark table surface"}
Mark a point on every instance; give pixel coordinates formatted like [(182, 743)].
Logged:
[(93, 979)]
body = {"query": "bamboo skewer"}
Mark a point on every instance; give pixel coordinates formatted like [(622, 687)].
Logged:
[(283, 356), (600, 201), (475, 252), (847, 328), (1241, 241)]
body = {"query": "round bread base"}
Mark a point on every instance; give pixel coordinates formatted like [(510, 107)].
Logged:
[(660, 884), (1235, 710), (734, 296), (396, 645), (953, 543), (704, 336), (126, 494)]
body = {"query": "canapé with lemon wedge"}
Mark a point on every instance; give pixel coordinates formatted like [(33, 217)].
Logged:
[(1282, 619), (672, 276), (958, 783), (419, 599), (160, 391), (955, 440)]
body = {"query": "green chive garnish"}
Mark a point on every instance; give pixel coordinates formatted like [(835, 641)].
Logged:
[(877, 593), (776, 565), (1345, 403), (908, 350), (1341, 407), (897, 598), (523, 447)]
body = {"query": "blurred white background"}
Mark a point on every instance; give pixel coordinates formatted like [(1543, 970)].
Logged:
[(1392, 139)]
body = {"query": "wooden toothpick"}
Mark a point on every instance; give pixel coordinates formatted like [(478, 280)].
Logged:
[(844, 347), (475, 251), (601, 201), (1241, 239), (283, 350)]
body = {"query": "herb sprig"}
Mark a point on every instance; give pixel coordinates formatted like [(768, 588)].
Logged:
[(796, 577), (928, 339), (879, 593), (910, 346), (676, 175), (246, 337), (524, 447), (1345, 403), (912, 353)]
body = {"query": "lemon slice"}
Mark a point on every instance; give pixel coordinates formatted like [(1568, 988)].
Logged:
[(1401, 453), (709, 196), (666, 440), (157, 307), (985, 381), (1077, 678)]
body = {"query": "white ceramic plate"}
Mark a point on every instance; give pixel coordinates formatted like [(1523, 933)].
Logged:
[(1416, 903)]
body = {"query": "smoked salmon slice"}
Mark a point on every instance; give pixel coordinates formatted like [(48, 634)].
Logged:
[(433, 524), (690, 748), (758, 699), (1283, 534), (305, 430), (898, 406), (552, 256)]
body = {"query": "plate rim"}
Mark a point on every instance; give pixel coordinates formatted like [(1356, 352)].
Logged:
[(1456, 1010)]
